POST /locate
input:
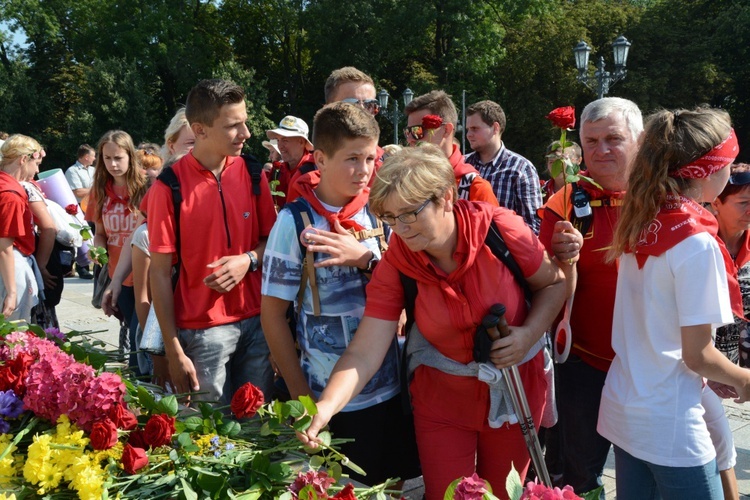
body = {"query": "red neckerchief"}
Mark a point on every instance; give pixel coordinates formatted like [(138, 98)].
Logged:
[(344, 216), (733, 266), (677, 219)]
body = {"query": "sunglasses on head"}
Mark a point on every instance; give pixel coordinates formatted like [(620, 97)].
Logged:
[(371, 105), (740, 178)]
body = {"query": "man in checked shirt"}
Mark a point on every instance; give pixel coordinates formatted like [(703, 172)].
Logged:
[(513, 178)]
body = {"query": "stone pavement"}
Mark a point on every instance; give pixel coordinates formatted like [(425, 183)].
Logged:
[(76, 313)]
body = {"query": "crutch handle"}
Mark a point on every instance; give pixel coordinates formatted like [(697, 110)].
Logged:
[(502, 325)]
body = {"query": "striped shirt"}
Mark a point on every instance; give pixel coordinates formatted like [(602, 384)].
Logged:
[(515, 182)]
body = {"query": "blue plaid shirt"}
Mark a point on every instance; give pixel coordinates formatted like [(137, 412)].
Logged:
[(515, 182)]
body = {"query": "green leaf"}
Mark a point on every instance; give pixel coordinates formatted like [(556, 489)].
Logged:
[(287, 495), (193, 423), (592, 181), (296, 409), (309, 404), (335, 471), (261, 463), (168, 405), (265, 429), (571, 178), (174, 456), (255, 494), (278, 471), (302, 424), (593, 494), (451, 490), (513, 484), (317, 461), (230, 429), (146, 399), (187, 490), (325, 436), (352, 466), (184, 439), (206, 410), (556, 168), (192, 448), (212, 483)]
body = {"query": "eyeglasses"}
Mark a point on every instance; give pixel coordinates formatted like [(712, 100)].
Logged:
[(416, 132), (740, 178), (406, 218), (371, 105)]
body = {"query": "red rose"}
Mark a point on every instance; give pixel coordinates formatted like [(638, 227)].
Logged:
[(564, 117), (122, 418), (133, 459), (137, 439), (159, 430), (13, 374), (103, 434), (246, 401), (72, 209), (347, 493), (430, 122)]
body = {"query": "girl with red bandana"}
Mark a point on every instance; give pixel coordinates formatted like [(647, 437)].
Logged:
[(671, 295)]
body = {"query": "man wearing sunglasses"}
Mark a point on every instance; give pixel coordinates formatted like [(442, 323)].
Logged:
[(432, 118), (514, 179), (348, 84)]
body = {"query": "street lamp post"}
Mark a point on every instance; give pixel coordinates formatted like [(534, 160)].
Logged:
[(604, 79), (393, 114)]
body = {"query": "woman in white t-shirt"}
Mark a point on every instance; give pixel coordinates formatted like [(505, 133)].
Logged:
[(671, 295)]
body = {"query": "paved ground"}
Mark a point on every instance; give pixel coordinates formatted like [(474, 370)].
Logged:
[(76, 313)]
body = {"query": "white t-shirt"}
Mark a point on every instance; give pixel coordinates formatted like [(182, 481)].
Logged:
[(139, 239), (651, 402)]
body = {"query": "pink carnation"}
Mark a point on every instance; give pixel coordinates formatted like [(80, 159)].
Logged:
[(537, 491), (320, 481), (470, 488)]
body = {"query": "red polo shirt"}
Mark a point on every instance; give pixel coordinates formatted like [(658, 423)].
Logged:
[(218, 218), (15, 215), (287, 177)]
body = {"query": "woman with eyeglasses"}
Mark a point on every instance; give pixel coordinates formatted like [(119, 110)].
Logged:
[(21, 156), (439, 242)]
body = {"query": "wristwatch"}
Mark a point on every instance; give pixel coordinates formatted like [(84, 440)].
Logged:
[(253, 261), (372, 263)]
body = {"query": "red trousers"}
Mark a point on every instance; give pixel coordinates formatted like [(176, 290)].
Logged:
[(453, 436)]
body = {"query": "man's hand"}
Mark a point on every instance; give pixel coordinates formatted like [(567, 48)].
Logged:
[(228, 272), (341, 245), (182, 373), (566, 242), (722, 390)]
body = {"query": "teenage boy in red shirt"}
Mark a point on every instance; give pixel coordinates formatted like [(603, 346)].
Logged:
[(211, 322)]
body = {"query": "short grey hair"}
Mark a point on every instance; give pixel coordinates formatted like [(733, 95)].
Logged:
[(606, 106)]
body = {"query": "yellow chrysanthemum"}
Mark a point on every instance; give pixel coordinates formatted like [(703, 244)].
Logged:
[(89, 483), (7, 467), (49, 477), (3, 496)]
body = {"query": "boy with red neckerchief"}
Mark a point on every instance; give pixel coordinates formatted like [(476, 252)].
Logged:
[(432, 118), (346, 138)]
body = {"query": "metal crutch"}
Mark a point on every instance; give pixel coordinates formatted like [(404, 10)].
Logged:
[(497, 328)]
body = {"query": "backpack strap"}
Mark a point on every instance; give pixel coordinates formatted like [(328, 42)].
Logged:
[(302, 214), (168, 177), (255, 169), (496, 243), (307, 167)]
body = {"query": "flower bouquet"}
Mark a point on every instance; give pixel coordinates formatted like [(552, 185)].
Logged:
[(70, 429)]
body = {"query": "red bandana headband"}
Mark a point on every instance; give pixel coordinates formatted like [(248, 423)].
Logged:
[(713, 161)]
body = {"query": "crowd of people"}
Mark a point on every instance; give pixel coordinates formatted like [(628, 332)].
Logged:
[(363, 277)]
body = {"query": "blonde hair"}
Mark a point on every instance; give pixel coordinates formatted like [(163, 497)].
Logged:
[(413, 175), (341, 76), (173, 131), (671, 140), (134, 177), (15, 147)]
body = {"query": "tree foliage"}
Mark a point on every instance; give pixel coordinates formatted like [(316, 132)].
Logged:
[(93, 65)]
